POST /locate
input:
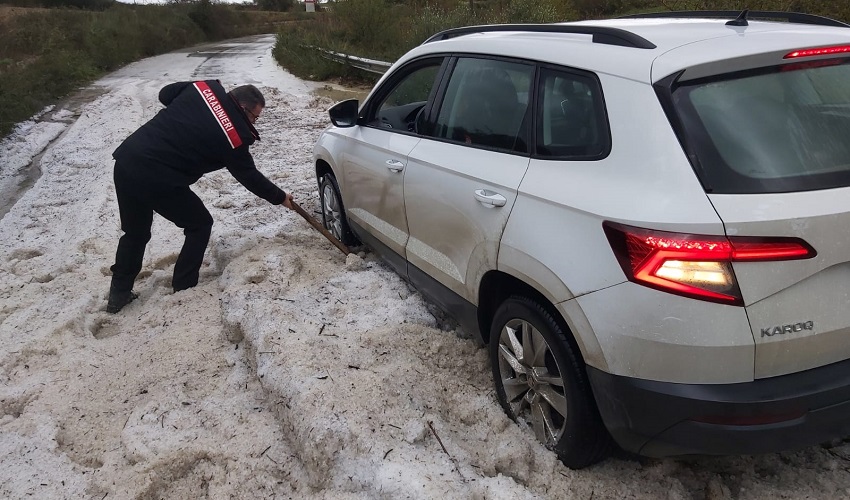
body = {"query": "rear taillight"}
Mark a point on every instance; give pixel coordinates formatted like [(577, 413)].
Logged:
[(695, 265)]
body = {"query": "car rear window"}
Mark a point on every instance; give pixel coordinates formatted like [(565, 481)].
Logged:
[(779, 129)]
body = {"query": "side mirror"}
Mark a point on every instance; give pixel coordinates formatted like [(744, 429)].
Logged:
[(344, 114)]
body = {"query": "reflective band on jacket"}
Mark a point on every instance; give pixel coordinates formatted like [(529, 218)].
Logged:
[(220, 115)]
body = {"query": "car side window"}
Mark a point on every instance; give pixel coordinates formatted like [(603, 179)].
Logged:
[(571, 118), (486, 104), (399, 108)]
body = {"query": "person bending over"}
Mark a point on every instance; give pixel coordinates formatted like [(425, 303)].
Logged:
[(202, 128)]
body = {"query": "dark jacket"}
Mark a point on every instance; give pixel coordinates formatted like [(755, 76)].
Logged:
[(201, 129)]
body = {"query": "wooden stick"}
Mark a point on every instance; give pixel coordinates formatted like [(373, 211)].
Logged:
[(431, 426), (313, 222)]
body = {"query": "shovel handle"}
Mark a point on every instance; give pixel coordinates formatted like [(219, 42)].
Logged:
[(313, 222)]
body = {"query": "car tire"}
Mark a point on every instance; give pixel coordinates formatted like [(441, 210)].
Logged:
[(333, 211), (541, 379)]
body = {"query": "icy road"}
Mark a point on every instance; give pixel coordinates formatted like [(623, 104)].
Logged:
[(290, 371)]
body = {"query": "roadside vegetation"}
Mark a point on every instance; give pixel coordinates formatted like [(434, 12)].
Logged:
[(48, 48), (386, 29), (45, 53)]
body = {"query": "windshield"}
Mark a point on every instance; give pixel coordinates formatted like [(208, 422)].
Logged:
[(780, 129)]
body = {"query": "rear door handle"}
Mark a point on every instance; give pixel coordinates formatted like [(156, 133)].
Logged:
[(490, 198), (395, 165)]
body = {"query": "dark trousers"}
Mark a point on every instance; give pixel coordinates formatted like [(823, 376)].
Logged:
[(138, 198)]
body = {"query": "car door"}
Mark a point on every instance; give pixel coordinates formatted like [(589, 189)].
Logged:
[(461, 182), (376, 156)]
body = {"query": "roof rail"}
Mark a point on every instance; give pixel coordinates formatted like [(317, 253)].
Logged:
[(791, 17), (601, 34)]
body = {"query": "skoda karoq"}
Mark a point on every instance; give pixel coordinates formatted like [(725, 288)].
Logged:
[(647, 220)]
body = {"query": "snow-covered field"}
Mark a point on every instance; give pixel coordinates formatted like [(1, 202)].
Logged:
[(290, 371)]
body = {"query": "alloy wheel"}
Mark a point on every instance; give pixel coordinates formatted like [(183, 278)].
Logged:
[(532, 380), (331, 211)]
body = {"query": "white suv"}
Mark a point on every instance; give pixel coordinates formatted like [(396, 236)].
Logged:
[(647, 220)]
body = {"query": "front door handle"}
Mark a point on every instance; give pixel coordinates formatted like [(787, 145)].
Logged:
[(490, 198), (395, 165)]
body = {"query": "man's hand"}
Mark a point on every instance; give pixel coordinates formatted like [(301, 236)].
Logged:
[(288, 201)]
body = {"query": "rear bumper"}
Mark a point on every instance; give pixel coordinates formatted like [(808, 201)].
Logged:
[(660, 419)]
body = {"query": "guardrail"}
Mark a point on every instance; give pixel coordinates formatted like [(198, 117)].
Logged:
[(370, 65)]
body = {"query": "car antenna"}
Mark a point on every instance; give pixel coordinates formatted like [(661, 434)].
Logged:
[(741, 20)]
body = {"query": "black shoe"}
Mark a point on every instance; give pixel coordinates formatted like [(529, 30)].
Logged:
[(117, 300)]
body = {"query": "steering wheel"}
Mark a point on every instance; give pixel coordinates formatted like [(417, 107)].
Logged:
[(412, 118)]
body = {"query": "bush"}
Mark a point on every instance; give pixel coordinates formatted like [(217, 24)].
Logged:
[(45, 54), (530, 11), (296, 49), (276, 5), (596, 8), (371, 24)]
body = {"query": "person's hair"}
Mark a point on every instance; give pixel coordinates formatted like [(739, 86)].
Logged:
[(248, 96)]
